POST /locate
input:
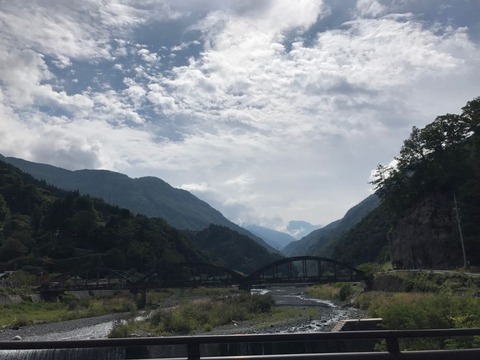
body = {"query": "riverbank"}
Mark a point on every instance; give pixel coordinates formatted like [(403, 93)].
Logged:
[(78, 329), (311, 315)]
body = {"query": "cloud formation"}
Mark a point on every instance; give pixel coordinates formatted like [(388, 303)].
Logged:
[(270, 111)]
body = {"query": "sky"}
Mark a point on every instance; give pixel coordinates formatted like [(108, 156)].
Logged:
[(269, 110)]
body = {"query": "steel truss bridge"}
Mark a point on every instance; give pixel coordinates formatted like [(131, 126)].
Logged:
[(298, 269)]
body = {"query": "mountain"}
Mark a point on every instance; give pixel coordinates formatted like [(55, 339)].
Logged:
[(149, 196), (46, 229), (321, 242), (274, 238), (365, 242), (236, 251), (299, 229), (429, 212), (432, 195)]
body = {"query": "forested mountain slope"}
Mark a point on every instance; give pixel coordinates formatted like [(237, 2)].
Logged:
[(433, 193), (321, 242), (149, 196), (429, 212), (236, 251), (45, 229)]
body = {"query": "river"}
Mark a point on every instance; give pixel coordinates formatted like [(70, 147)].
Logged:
[(329, 314)]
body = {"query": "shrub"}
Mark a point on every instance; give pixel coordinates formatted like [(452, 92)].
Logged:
[(119, 330), (425, 311), (208, 313), (345, 292)]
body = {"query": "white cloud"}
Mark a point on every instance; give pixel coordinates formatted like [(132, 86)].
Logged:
[(282, 114), (369, 8), (148, 56)]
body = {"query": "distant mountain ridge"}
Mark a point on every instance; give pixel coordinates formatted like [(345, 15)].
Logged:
[(149, 196), (299, 229), (276, 239), (321, 242)]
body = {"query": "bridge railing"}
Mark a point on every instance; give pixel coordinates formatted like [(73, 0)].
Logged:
[(194, 344)]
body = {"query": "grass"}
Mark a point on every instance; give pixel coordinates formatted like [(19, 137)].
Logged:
[(422, 310), (37, 312), (425, 311), (70, 307), (203, 314), (341, 291)]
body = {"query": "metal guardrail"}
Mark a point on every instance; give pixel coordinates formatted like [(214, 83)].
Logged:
[(193, 344)]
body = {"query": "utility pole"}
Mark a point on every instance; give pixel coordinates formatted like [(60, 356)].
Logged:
[(457, 215)]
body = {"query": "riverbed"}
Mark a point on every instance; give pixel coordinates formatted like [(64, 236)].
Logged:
[(328, 315)]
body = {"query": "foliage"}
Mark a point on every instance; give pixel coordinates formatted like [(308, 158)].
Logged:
[(425, 311), (435, 158), (70, 307), (426, 281), (236, 251), (441, 158), (44, 229), (335, 291), (200, 314), (373, 267), (149, 196), (367, 241), (322, 241)]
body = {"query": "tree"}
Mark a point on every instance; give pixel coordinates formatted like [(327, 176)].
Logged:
[(431, 159)]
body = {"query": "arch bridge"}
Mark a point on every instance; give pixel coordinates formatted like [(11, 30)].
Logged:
[(303, 269)]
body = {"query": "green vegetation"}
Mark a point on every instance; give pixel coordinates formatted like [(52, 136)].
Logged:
[(45, 230), (425, 311), (434, 164), (30, 312), (422, 310), (439, 161), (425, 300), (201, 314), (427, 281), (235, 250), (367, 241), (335, 291), (323, 241), (200, 310)]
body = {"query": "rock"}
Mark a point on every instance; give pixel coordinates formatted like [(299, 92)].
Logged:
[(17, 337), (426, 237)]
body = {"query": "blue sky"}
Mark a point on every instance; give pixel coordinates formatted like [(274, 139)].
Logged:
[(268, 110)]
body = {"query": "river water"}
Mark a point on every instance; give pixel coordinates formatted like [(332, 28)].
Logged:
[(328, 315)]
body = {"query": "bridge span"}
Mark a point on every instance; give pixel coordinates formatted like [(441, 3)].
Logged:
[(298, 269)]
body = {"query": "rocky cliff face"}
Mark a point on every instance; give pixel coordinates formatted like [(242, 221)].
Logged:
[(427, 236)]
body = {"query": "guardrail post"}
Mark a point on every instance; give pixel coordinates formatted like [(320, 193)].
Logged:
[(193, 351), (392, 344)]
